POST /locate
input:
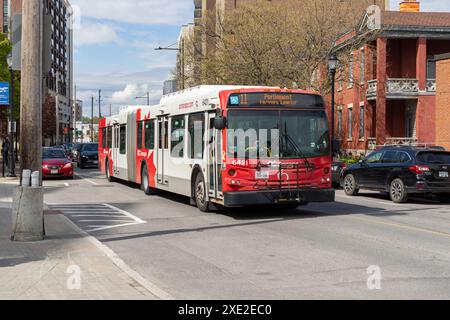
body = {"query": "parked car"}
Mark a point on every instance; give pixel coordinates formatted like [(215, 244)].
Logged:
[(55, 164), (401, 171), (88, 155), (75, 150), (336, 170)]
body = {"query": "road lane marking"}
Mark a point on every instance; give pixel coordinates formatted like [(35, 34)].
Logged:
[(400, 226), (114, 217), (87, 179), (148, 285)]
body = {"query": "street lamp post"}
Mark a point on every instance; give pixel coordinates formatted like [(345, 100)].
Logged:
[(332, 66), (146, 96), (12, 158)]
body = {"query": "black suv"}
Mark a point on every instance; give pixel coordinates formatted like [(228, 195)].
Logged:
[(88, 155), (401, 171)]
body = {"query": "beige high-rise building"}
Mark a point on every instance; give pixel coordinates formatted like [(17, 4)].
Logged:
[(195, 39)]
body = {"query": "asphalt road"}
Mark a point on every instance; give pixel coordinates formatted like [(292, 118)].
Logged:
[(321, 251)]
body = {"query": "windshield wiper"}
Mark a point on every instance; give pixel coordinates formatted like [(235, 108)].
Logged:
[(296, 148)]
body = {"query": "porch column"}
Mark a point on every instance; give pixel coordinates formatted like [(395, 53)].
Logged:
[(421, 63), (425, 107), (381, 90)]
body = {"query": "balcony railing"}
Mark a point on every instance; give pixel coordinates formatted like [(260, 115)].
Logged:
[(402, 86), (431, 85), (401, 141), (395, 87)]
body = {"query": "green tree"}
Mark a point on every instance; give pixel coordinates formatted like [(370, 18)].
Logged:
[(5, 50)]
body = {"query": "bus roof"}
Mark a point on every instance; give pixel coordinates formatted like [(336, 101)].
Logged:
[(190, 100)]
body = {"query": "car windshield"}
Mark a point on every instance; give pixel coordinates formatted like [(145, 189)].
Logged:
[(434, 157), (90, 147), (53, 154), (277, 134)]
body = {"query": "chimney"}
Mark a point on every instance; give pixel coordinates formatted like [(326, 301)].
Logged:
[(410, 6)]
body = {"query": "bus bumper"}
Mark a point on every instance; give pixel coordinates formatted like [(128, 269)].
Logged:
[(271, 197)]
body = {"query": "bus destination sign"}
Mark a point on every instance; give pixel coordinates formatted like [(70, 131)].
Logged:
[(272, 99)]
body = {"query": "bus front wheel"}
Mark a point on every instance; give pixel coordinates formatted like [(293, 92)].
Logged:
[(200, 193)]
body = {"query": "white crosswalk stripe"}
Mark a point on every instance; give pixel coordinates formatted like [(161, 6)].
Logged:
[(97, 217)]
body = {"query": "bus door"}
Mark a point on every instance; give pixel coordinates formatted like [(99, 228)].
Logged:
[(115, 149), (163, 149), (214, 159)]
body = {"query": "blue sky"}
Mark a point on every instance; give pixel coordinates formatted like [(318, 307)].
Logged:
[(115, 41)]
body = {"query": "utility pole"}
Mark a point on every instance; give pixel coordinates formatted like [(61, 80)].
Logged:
[(57, 108), (92, 120), (100, 104), (146, 96), (28, 203)]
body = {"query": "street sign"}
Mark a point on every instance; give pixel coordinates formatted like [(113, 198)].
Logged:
[(4, 93)]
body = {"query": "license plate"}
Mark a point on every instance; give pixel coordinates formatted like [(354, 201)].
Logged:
[(54, 172), (443, 174), (262, 174)]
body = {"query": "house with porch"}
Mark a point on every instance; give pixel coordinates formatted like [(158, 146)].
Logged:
[(387, 94)]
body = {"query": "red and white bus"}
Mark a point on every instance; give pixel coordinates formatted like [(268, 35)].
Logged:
[(224, 146)]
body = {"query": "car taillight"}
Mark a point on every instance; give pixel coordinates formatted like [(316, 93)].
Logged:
[(419, 169)]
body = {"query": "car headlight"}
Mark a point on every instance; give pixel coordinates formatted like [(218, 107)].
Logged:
[(68, 166), (45, 167)]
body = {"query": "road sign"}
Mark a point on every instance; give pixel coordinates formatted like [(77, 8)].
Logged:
[(4, 93)]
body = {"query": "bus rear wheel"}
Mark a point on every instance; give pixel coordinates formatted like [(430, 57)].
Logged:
[(200, 194), (145, 186), (108, 174)]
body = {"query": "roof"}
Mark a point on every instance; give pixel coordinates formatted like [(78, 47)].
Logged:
[(440, 57), (422, 19)]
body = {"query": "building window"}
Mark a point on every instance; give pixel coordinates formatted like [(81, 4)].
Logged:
[(361, 122), (150, 135), (363, 70), (341, 78), (350, 123), (431, 68), (340, 122), (177, 134), (350, 73)]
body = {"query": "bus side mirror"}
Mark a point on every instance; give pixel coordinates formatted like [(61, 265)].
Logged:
[(220, 123), (336, 145)]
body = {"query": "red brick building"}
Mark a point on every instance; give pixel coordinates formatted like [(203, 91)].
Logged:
[(387, 94), (443, 100)]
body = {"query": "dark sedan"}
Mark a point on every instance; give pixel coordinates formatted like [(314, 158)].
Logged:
[(401, 171)]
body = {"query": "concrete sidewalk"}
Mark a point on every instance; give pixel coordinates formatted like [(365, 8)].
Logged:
[(67, 265)]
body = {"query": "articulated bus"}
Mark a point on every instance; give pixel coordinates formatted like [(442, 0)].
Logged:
[(224, 146)]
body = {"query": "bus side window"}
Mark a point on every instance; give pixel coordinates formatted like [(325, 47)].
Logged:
[(109, 137), (123, 139), (196, 131), (139, 135), (150, 135), (177, 133), (104, 138)]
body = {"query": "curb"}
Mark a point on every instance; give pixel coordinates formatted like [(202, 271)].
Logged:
[(117, 261)]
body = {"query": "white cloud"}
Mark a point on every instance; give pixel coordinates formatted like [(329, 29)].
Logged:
[(96, 33), (137, 11)]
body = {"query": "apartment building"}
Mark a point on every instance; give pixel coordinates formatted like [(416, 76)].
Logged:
[(388, 93), (57, 59)]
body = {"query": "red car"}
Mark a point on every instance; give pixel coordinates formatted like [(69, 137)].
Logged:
[(56, 164)]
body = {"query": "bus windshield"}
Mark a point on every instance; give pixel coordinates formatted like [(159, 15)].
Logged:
[(285, 134)]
